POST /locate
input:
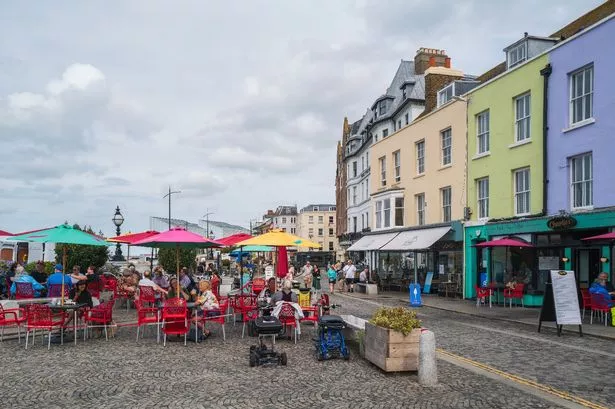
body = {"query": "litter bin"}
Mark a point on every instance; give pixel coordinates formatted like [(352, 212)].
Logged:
[(304, 297), (414, 291)]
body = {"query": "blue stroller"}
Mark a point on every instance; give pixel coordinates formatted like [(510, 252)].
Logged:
[(330, 342)]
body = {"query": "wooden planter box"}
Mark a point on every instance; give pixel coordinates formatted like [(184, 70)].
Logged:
[(390, 350)]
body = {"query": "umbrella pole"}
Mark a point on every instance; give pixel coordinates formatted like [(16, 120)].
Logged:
[(63, 270), (240, 269), (177, 261), (128, 255), (151, 262)]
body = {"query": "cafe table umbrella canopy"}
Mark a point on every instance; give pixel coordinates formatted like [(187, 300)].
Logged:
[(130, 238), (62, 234), (504, 242), (278, 238), (177, 238), (234, 239)]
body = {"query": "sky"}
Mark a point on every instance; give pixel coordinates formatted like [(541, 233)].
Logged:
[(237, 104)]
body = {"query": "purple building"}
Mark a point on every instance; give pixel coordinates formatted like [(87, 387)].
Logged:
[(581, 146)]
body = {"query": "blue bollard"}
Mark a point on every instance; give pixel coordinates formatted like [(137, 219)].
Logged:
[(415, 295)]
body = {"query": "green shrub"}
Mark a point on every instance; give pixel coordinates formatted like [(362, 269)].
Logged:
[(396, 318)]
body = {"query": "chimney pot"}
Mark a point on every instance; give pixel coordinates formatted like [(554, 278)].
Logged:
[(432, 61), (447, 62)]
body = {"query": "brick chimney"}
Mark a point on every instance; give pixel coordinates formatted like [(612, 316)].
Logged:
[(429, 57), (437, 78)]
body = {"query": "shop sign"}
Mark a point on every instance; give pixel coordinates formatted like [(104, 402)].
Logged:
[(561, 222)]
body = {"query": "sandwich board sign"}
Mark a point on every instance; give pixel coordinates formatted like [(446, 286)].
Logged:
[(561, 301)]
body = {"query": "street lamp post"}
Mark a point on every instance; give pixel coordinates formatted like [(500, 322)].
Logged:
[(118, 219), (169, 195), (207, 231), (211, 236)]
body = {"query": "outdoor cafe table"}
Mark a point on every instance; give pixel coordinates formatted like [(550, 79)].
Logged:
[(66, 308)]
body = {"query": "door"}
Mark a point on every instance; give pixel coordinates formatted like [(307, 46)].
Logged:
[(587, 266)]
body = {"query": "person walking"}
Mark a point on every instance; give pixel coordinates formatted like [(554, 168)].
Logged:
[(349, 273), (316, 281), (332, 275)]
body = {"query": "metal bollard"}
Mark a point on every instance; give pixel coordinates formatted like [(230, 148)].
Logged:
[(428, 371)]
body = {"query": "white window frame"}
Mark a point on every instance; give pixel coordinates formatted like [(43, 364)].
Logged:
[(420, 209), (586, 96), (420, 157), (446, 94), (523, 126), (521, 185), (355, 169), (446, 141), (519, 53), (382, 106), (386, 212), (407, 118), (321, 219), (446, 197), (482, 198), (378, 214), (354, 195), (585, 183), (383, 170), (385, 133), (397, 165), (482, 133), (397, 209), (311, 218)]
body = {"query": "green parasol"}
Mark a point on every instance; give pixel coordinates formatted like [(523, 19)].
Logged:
[(62, 234)]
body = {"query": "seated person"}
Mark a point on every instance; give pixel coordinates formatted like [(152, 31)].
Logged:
[(363, 275), (599, 287), (146, 281), (127, 284), (266, 295), (172, 292), (80, 294), (39, 274), (285, 294), (512, 283), (22, 276), (91, 274), (609, 287), (159, 278), (76, 275), (209, 306), (57, 278)]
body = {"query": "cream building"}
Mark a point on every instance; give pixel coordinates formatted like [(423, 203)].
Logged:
[(417, 188), (317, 223)]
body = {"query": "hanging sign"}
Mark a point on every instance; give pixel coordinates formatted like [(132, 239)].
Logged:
[(561, 223)]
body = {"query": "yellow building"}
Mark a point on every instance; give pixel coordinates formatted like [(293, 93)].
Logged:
[(317, 223)]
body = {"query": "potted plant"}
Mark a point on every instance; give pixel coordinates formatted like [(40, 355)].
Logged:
[(392, 339)]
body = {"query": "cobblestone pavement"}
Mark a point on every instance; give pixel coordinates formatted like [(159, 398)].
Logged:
[(215, 374), (582, 366)]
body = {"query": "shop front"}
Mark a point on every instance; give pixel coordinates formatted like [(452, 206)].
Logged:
[(557, 242), (405, 256)]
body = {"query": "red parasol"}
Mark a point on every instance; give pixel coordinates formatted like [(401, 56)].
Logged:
[(234, 239)]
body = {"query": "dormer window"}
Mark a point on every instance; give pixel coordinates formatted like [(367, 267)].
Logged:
[(517, 54), (383, 107), (446, 94)]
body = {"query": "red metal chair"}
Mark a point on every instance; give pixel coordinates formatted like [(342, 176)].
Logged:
[(147, 294), (257, 285), (94, 288), (24, 291), (514, 293), (247, 306), (310, 314), (55, 291), (482, 294), (39, 316), (287, 318), (587, 300), (109, 283), (600, 304), (175, 318), (102, 314), (10, 317), (220, 319), (147, 316)]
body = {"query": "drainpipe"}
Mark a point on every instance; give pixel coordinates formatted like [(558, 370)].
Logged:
[(545, 72)]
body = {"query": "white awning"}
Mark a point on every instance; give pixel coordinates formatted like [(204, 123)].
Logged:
[(416, 239), (372, 242)]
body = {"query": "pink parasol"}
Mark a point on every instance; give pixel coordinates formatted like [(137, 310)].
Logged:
[(504, 242), (234, 239), (603, 237), (282, 264), (177, 238)]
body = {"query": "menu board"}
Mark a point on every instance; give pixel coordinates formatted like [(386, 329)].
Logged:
[(548, 263), (565, 296)]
